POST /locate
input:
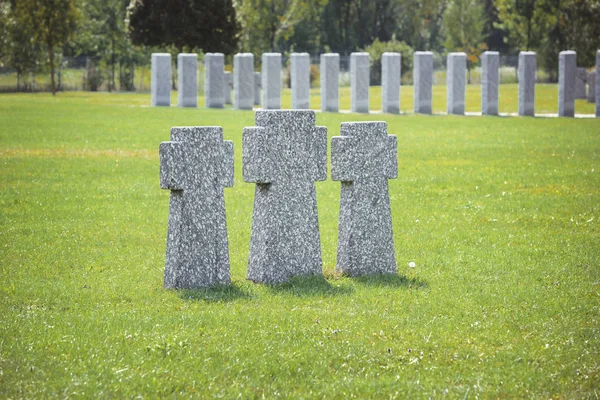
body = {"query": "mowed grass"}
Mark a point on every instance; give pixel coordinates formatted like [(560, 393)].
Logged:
[(500, 215)]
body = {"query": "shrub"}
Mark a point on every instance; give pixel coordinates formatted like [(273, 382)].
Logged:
[(376, 50)]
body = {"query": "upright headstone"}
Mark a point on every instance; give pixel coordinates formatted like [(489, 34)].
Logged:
[(591, 90), (214, 80), (330, 83), (300, 71), (187, 80), (271, 81), (567, 67), (243, 81), (196, 165), (456, 83), (257, 86), (228, 86), (597, 83), (391, 71), (490, 67), (526, 71), (284, 155), (161, 79), (580, 84), (359, 82), (363, 158), (423, 80)]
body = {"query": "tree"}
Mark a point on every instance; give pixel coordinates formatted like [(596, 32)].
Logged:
[(52, 23), (520, 18), (210, 25), (464, 22)]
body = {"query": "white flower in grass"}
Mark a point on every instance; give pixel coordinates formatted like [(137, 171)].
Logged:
[(412, 264)]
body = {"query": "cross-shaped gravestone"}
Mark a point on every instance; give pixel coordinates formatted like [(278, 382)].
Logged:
[(195, 165), (284, 155), (363, 159)]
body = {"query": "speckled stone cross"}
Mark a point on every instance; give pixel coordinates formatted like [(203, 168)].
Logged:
[(196, 165), (284, 155), (363, 158)]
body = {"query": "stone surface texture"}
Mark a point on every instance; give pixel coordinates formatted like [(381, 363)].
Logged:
[(257, 87), (271, 81), (526, 72), (300, 80), (187, 80), (567, 66), (391, 71), (591, 82), (359, 82), (196, 165), (330, 84), (214, 80), (423, 80), (284, 154), (363, 158), (160, 79), (228, 86), (598, 83), (243, 81), (580, 79), (490, 67), (456, 83)]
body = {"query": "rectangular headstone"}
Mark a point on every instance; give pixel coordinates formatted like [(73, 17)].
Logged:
[(187, 80), (284, 154), (422, 81), (196, 165), (363, 158), (527, 71), (580, 83), (243, 81), (591, 83), (391, 71), (228, 86), (161, 79), (300, 71), (359, 82), (271, 81), (257, 86), (490, 67), (567, 68), (214, 80), (598, 83), (330, 83), (456, 83)]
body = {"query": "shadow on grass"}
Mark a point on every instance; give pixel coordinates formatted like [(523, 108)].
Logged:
[(304, 286), (390, 280), (215, 294)]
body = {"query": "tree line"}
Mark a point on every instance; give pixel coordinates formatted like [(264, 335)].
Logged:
[(35, 33)]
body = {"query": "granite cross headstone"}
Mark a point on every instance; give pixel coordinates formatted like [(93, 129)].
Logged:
[(228, 86), (330, 85), (214, 81), (284, 155), (422, 77), (195, 165), (161, 79), (257, 87), (363, 158), (581, 76), (567, 65), (490, 62), (598, 83), (271, 81), (391, 71), (187, 80), (526, 71), (591, 81), (359, 82), (243, 81), (300, 80)]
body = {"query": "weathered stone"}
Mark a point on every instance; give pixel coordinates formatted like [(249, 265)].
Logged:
[(271, 81), (591, 83), (257, 87), (195, 165), (423, 79), (161, 79), (243, 81), (527, 71), (228, 86), (567, 66), (359, 82), (300, 80), (284, 155), (391, 71), (330, 84), (490, 64), (456, 83), (580, 79), (363, 158), (214, 80), (598, 83), (187, 80)]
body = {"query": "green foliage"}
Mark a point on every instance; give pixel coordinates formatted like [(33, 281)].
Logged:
[(376, 50)]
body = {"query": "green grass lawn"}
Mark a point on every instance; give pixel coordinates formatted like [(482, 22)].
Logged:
[(500, 215)]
